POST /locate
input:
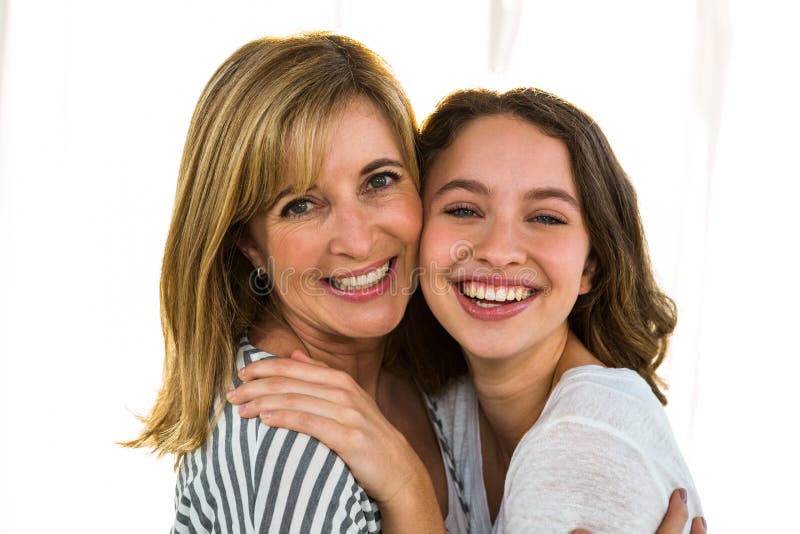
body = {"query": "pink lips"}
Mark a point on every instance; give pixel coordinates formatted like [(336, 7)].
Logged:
[(363, 270), (495, 313), (497, 280), (363, 295)]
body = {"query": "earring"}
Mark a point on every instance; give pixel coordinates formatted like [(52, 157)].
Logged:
[(259, 283)]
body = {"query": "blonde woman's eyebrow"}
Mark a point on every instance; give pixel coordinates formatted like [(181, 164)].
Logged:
[(381, 162), (368, 168), (287, 192)]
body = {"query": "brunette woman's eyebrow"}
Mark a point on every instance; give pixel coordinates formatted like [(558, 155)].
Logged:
[(550, 192), (473, 186), (380, 162)]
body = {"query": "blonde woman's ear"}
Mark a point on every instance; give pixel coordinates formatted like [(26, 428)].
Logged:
[(247, 245)]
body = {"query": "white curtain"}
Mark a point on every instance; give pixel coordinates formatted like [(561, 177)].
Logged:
[(699, 99)]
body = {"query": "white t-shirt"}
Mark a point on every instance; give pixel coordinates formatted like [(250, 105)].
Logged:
[(601, 456)]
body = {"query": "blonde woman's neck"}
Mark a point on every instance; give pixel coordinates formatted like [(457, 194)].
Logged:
[(360, 358)]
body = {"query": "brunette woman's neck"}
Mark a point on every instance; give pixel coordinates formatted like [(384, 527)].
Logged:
[(360, 358), (513, 392)]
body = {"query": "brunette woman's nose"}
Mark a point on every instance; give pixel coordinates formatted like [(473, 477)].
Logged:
[(500, 245)]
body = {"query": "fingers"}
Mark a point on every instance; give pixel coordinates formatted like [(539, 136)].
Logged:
[(310, 371), (699, 526), (677, 514), (266, 406), (250, 395)]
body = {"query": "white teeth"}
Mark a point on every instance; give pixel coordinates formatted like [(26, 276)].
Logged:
[(482, 291), (363, 281)]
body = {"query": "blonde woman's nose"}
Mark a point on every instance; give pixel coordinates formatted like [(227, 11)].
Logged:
[(351, 233)]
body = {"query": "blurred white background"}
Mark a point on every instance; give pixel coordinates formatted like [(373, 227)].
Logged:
[(698, 97)]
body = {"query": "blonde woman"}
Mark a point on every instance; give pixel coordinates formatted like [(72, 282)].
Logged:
[(296, 225)]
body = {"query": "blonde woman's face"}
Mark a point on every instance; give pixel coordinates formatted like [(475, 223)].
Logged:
[(342, 257)]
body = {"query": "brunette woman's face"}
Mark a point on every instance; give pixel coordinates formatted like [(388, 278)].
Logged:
[(342, 257), (504, 249)]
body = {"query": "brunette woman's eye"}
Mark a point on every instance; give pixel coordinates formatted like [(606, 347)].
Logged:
[(382, 180), (296, 207), (548, 220), (461, 212)]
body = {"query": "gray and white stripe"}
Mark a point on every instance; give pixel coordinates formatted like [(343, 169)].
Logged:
[(249, 477), (450, 466)]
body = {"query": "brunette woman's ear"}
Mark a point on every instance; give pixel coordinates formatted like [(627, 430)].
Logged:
[(587, 277)]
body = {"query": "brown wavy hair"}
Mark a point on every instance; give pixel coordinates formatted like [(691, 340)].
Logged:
[(625, 320), (263, 120)]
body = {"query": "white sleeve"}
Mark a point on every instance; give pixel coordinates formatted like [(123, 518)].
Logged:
[(575, 475), (602, 457)]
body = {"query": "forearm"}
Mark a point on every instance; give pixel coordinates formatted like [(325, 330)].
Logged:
[(310, 398), (414, 508)]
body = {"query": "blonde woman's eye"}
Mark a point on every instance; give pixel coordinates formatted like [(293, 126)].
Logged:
[(296, 207), (382, 180)]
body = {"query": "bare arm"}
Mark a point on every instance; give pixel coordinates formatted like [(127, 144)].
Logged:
[(301, 394)]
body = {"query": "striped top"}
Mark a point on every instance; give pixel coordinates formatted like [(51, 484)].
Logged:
[(249, 477)]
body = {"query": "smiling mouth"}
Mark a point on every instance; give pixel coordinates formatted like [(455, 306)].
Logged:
[(364, 280), (493, 295)]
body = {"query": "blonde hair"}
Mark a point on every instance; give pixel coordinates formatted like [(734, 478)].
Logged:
[(263, 121)]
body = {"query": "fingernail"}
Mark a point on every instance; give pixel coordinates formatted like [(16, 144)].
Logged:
[(230, 393), (683, 495), (266, 415), (703, 519), (243, 407)]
